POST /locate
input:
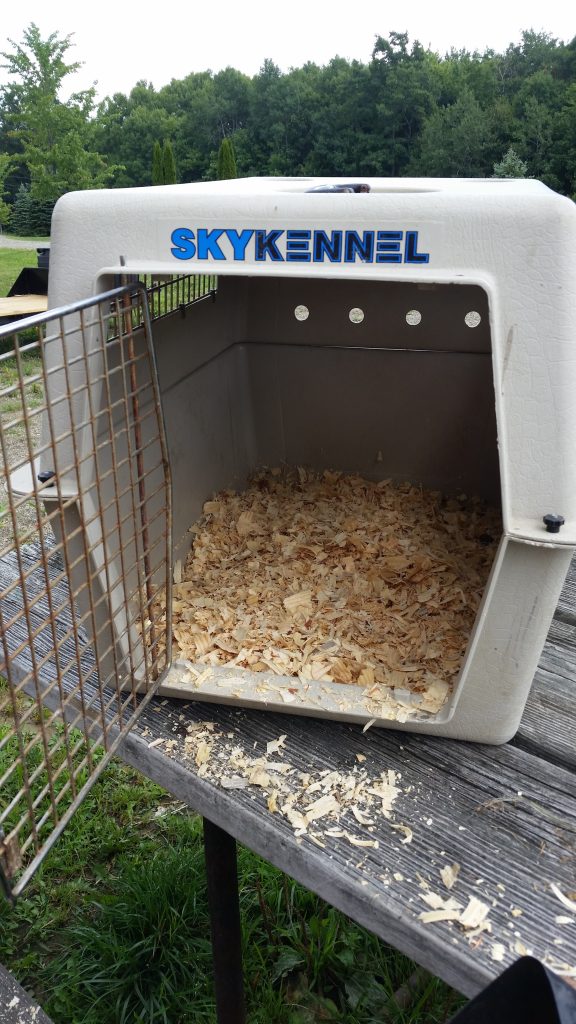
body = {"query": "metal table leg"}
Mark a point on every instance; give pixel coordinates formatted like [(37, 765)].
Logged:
[(222, 881)]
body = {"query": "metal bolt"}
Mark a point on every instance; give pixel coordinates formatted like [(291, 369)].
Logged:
[(46, 475), (553, 523)]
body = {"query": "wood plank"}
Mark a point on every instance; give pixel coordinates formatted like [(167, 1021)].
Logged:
[(567, 603), (548, 727), (507, 817), (16, 1006), (23, 305)]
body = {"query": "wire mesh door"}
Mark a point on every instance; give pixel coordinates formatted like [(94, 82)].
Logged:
[(85, 558)]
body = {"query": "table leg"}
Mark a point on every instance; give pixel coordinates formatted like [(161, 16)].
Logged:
[(222, 881)]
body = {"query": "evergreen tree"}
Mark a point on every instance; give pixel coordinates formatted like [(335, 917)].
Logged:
[(168, 164), (22, 212), (511, 166), (157, 165), (227, 160), (4, 208)]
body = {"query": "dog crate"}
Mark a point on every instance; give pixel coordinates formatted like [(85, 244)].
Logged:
[(293, 444)]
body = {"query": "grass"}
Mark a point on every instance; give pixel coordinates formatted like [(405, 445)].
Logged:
[(114, 930), (12, 261)]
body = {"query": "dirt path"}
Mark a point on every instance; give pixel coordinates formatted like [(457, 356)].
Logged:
[(22, 243)]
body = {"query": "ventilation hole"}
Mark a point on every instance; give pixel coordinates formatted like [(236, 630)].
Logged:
[(413, 317), (472, 319), (301, 312), (356, 315)]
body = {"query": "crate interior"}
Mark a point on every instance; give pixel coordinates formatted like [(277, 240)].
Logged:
[(383, 380)]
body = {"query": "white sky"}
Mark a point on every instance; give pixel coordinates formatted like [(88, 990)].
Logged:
[(121, 43)]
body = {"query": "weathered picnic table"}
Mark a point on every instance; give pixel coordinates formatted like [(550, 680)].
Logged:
[(506, 815)]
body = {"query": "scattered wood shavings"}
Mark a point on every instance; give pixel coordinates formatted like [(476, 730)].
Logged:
[(521, 949), (431, 916), (274, 745), (562, 919), (235, 782), (449, 874), (475, 913), (203, 752), (472, 918), (408, 834), (320, 808), (437, 902), (351, 798), (361, 842), (564, 969), (363, 819), (498, 952), (569, 904), (332, 577)]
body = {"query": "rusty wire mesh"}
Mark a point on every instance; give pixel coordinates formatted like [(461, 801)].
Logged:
[(166, 294), (85, 543)]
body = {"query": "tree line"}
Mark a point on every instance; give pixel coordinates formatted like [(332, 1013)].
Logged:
[(406, 111)]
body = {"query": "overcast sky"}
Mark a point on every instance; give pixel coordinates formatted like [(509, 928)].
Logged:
[(121, 43)]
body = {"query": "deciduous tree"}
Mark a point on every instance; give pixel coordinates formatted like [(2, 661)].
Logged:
[(53, 134)]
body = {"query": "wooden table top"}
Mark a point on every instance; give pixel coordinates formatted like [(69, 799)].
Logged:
[(505, 815)]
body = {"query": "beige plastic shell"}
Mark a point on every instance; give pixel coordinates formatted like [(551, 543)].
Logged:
[(513, 243)]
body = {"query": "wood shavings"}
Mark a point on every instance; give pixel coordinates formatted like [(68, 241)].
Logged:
[(521, 949), (361, 842), (449, 874), (272, 802), (203, 752), (332, 577), (408, 834), (475, 913), (562, 919), (387, 789), (569, 904), (563, 969), (320, 808), (351, 798), (274, 745), (472, 918), (437, 902), (235, 782), (431, 916), (498, 952), (363, 819)]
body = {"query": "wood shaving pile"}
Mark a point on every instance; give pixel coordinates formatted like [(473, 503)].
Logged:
[(333, 577), (319, 804)]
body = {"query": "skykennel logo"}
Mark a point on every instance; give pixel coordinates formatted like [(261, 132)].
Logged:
[(257, 245)]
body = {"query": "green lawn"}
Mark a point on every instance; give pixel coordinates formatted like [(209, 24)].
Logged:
[(12, 261), (114, 930)]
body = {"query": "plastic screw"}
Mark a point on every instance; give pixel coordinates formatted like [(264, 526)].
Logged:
[(553, 523)]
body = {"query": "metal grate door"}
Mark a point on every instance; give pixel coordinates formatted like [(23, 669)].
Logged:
[(85, 548)]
